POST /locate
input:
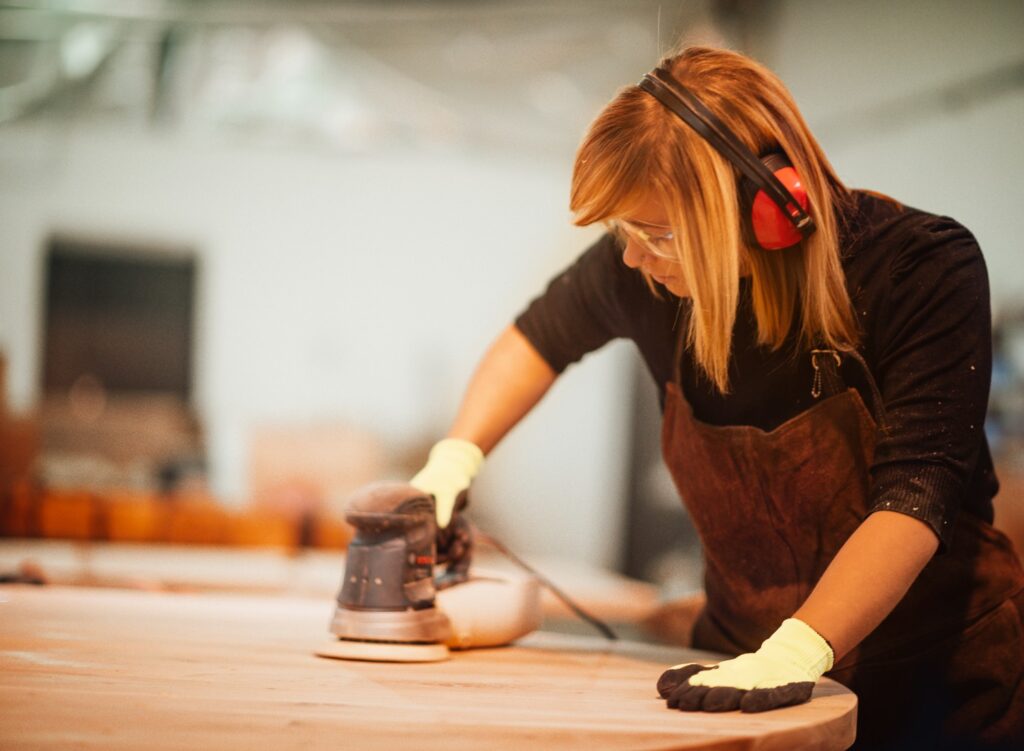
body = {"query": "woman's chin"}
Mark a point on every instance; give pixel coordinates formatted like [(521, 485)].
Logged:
[(675, 286)]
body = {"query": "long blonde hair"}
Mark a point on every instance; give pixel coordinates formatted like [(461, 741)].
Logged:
[(637, 149)]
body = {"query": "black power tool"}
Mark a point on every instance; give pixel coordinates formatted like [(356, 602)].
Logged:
[(386, 607)]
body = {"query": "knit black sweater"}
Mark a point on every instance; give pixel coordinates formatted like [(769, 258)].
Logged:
[(920, 289)]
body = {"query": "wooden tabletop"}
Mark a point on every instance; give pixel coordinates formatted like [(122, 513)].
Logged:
[(115, 669)]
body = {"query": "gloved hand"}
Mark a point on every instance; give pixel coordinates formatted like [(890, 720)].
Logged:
[(782, 672), (451, 466)]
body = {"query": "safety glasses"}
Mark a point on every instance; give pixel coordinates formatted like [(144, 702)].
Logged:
[(661, 244)]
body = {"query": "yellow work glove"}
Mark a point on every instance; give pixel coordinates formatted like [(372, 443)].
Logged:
[(451, 466), (782, 672)]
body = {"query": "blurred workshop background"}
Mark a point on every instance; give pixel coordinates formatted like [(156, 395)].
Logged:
[(250, 252)]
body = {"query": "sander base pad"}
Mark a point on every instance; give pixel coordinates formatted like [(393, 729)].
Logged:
[(380, 651)]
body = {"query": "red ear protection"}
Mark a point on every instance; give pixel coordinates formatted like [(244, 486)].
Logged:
[(765, 223), (775, 205)]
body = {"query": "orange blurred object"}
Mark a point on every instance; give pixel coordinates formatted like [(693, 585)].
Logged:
[(330, 532), (19, 509), (1009, 502), (198, 521), (70, 514), (136, 516), (254, 528)]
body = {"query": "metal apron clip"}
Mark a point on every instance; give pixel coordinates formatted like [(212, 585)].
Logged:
[(817, 383), (833, 380)]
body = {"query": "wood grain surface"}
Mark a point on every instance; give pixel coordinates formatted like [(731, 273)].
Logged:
[(91, 668)]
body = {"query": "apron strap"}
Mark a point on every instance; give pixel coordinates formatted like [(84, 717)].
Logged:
[(828, 381)]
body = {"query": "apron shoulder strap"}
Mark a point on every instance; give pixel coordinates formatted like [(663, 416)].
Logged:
[(828, 381)]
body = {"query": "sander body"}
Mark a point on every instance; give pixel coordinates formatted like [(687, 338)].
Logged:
[(408, 593)]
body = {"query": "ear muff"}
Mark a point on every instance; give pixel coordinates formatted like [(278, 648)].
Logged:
[(776, 210), (765, 224)]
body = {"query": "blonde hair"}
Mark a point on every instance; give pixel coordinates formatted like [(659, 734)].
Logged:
[(637, 149)]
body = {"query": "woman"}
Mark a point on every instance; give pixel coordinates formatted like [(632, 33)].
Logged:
[(823, 357)]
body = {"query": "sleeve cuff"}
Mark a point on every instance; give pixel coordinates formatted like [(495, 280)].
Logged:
[(522, 322), (929, 492)]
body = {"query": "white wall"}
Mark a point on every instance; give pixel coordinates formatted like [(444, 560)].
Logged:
[(337, 287), (868, 77), (366, 288)]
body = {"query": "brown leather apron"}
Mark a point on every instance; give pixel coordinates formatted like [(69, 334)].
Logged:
[(772, 509)]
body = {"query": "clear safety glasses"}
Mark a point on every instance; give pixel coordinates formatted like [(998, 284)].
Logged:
[(660, 244)]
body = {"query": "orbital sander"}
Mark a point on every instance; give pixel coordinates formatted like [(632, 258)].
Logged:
[(408, 593)]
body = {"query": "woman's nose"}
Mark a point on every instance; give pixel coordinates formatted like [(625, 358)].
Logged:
[(633, 254)]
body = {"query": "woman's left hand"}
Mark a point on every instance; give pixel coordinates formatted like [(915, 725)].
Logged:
[(782, 672)]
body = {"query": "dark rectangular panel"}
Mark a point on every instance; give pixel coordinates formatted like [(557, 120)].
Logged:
[(125, 318)]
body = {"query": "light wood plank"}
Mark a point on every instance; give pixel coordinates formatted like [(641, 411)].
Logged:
[(113, 669)]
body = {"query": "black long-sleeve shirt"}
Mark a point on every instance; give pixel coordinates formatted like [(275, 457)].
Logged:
[(920, 290)]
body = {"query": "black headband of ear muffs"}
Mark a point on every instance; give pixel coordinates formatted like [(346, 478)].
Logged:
[(664, 87)]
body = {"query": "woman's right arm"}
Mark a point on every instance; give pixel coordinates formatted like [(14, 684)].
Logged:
[(510, 379), (596, 299), (577, 314)]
